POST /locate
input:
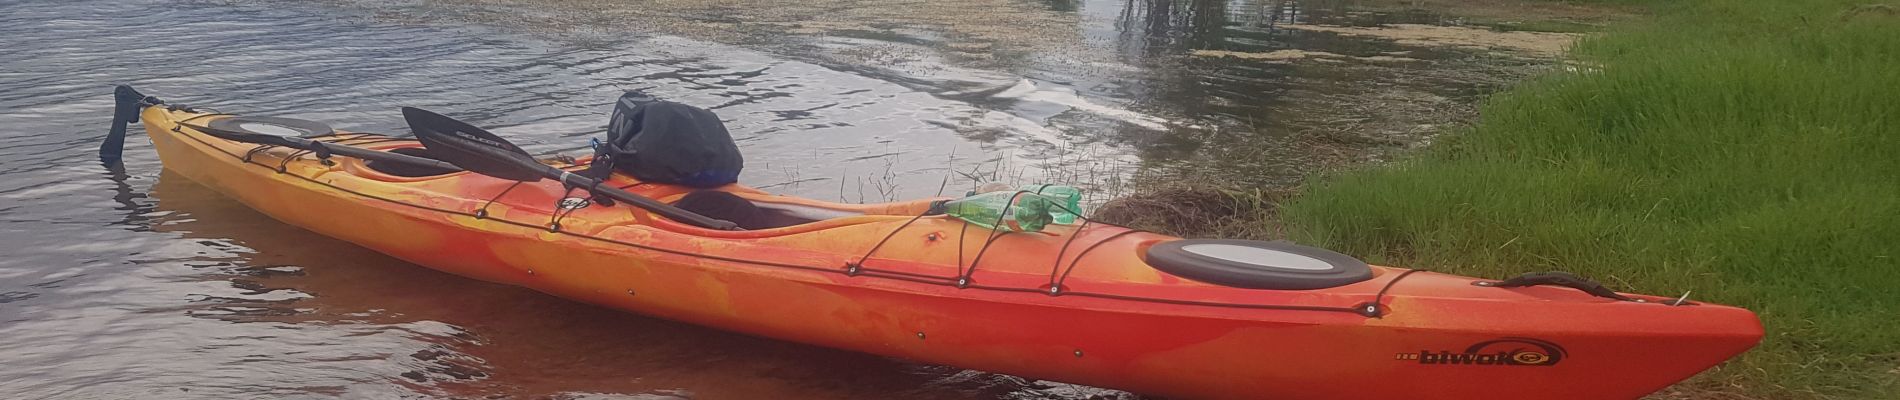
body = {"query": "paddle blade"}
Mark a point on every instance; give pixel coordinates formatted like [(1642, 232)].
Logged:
[(128, 103), (472, 148)]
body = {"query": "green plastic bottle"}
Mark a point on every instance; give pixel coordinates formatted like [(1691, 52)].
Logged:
[(1031, 213), (1068, 197)]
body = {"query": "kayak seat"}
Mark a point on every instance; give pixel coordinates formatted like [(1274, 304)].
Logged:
[(754, 215), (408, 170)]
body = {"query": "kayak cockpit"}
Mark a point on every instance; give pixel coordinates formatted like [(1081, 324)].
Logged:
[(755, 215), (782, 215), (779, 215)]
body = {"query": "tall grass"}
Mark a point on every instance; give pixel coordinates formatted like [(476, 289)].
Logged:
[(1746, 150)]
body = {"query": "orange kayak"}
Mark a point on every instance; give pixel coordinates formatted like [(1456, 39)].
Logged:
[(1073, 303)]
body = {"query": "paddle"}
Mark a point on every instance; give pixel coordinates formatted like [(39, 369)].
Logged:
[(481, 152), (323, 147), (128, 102)]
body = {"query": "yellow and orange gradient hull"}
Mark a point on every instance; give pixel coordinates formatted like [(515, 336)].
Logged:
[(1114, 322)]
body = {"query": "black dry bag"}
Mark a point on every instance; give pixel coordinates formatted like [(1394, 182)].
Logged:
[(667, 142)]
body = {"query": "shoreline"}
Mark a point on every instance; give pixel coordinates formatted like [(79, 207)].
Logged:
[(1710, 149)]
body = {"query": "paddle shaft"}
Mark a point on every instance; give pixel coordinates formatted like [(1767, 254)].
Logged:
[(326, 147), (665, 210), (367, 154)]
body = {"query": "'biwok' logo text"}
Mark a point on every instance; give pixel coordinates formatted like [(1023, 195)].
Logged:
[(1507, 352)]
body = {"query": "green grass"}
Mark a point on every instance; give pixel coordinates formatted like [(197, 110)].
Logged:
[(1747, 150)]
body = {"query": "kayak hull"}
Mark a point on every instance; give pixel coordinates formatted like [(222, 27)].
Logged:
[(1434, 335)]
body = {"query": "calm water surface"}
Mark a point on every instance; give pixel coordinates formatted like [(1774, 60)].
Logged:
[(135, 283)]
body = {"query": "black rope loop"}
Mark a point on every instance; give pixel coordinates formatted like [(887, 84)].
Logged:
[(343, 137), (561, 210), (1079, 230), (1055, 285), (283, 166), (482, 212), (371, 141), (963, 279), (255, 150), (1376, 308), (963, 276), (197, 117), (853, 267)]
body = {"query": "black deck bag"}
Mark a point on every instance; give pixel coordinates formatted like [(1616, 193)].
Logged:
[(667, 142)]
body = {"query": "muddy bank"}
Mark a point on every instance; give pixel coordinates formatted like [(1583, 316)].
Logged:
[(1104, 93)]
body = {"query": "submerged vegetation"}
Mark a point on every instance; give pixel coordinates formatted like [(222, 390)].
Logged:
[(1747, 151)]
